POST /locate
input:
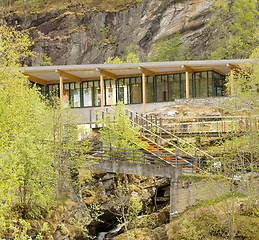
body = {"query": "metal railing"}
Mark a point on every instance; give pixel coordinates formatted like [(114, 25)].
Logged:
[(125, 154), (206, 124), (158, 132)]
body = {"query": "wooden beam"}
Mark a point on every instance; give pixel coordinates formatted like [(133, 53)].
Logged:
[(187, 84), (147, 71), (36, 79), (69, 76), (188, 69), (232, 66), (61, 91), (232, 82), (107, 74), (144, 91), (102, 92)]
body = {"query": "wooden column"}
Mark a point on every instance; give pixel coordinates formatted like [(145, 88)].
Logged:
[(102, 92), (61, 94), (187, 84), (232, 82), (144, 91)]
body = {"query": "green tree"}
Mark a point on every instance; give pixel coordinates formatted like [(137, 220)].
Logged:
[(128, 207), (170, 49), (234, 23), (26, 179), (118, 131), (132, 56)]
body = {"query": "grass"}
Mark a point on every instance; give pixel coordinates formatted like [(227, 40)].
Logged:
[(210, 220), (73, 5)]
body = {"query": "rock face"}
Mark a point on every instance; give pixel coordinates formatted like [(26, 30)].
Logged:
[(83, 36)]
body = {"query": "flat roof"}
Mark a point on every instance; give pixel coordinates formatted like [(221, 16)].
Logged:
[(45, 75)]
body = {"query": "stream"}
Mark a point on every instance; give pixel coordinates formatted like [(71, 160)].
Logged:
[(109, 235)]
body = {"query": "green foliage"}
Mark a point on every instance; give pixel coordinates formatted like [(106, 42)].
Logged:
[(118, 131), (26, 179), (45, 60), (235, 23), (39, 147), (170, 49), (210, 222), (127, 206), (132, 56)]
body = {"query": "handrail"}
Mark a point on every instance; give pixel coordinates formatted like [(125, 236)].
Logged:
[(188, 154), (133, 155), (169, 133)]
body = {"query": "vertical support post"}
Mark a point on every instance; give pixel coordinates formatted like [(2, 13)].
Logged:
[(102, 92), (187, 84), (173, 198), (61, 91), (232, 82), (90, 119), (144, 91), (160, 129)]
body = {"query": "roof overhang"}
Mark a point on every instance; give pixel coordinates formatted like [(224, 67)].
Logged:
[(78, 73)]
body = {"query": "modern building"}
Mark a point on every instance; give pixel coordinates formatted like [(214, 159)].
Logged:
[(99, 85)]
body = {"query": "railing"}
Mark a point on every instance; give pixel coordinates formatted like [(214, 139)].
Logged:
[(205, 124), (122, 154), (158, 132), (191, 155)]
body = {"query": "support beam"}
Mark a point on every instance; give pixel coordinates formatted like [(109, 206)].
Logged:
[(188, 69), (61, 91), (107, 74), (69, 76), (232, 82), (144, 91), (173, 198), (187, 84), (147, 71), (36, 79), (102, 92), (232, 66)]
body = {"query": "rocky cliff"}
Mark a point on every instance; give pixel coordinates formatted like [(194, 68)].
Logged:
[(81, 36)]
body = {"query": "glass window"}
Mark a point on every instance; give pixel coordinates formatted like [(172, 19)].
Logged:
[(200, 85), (88, 94), (110, 92), (97, 93), (161, 84), (123, 90), (149, 89), (174, 86), (218, 84), (75, 94), (136, 90)]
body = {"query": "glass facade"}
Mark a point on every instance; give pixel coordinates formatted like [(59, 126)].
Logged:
[(160, 88)]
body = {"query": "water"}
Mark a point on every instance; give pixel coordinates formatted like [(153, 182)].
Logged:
[(109, 235)]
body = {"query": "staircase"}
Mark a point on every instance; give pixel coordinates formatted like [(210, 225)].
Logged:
[(168, 156), (191, 159)]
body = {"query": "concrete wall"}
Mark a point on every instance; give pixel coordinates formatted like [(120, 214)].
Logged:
[(135, 168)]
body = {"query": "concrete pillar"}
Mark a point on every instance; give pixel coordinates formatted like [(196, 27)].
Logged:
[(173, 198)]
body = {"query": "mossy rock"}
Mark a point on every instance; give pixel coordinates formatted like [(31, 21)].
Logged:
[(136, 234), (89, 196)]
